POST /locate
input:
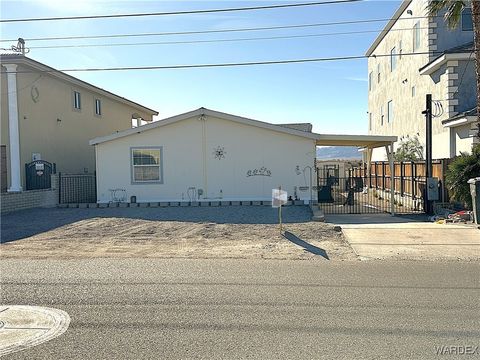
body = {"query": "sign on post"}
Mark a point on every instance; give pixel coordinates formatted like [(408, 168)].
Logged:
[(279, 198)]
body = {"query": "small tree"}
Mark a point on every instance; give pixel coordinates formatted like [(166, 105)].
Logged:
[(463, 168), (409, 150)]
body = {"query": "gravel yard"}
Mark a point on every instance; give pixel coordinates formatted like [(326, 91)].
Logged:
[(184, 232)]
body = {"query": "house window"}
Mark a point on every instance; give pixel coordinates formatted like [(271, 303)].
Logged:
[(400, 49), (416, 36), (77, 104), (378, 73), (370, 85), (413, 91), (393, 58), (370, 121), (98, 107), (147, 165), (390, 111), (382, 116), (467, 23)]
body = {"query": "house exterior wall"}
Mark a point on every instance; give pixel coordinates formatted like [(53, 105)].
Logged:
[(397, 85), (52, 127), (189, 161)]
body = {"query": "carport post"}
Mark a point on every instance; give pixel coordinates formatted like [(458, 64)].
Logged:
[(369, 165), (389, 149)]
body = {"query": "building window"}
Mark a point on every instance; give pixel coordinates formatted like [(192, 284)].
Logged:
[(370, 121), (370, 85), (147, 165), (400, 49), (393, 58), (413, 91), (77, 104), (416, 36), (467, 23), (390, 111), (378, 73), (98, 107), (382, 116)]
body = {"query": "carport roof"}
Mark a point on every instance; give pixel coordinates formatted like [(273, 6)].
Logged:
[(370, 141)]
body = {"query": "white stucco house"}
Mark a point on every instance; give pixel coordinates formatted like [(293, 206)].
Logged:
[(206, 155)]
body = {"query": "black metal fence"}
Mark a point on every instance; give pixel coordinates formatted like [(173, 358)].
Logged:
[(351, 195), (77, 188)]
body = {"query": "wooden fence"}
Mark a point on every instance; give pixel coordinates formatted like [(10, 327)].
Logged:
[(409, 177)]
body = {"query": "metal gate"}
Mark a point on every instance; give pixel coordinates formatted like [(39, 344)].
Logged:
[(37, 174), (77, 188), (350, 195)]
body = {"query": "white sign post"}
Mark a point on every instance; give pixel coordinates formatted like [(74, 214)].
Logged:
[(279, 198)]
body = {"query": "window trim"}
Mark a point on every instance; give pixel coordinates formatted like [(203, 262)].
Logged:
[(393, 59), (99, 113), (390, 119), (132, 173), (382, 116), (378, 73), (416, 31), (74, 93)]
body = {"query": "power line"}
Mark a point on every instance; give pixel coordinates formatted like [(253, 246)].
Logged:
[(196, 66), (215, 40), (279, 27), (186, 12)]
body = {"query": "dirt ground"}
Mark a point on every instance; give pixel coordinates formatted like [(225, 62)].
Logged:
[(223, 232)]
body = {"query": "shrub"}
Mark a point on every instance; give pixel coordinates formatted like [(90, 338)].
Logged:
[(460, 170)]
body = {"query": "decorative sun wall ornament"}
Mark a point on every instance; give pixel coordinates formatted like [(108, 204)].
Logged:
[(263, 171), (219, 152)]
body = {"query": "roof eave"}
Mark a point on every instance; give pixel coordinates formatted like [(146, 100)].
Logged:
[(23, 60), (199, 112), (435, 64), (387, 27), (460, 121)]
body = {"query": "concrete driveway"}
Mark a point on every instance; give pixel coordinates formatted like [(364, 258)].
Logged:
[(381, 236)]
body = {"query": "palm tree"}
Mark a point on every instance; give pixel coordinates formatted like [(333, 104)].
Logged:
[(452, 17)]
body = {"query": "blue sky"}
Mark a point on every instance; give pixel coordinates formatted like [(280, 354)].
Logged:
[(332, 96)]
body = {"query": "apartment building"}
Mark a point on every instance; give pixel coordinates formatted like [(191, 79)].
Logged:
[(49, 115), (416, 55)]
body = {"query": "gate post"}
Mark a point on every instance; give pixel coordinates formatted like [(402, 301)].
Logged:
[(59, 187), (389, 150)]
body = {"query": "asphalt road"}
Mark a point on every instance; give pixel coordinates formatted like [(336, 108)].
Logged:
[(255, 309)]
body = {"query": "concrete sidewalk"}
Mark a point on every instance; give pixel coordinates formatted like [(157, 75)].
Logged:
[(381, 236)]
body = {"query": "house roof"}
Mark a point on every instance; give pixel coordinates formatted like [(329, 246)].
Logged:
[(23, 60), (388, 26), (320, 139), (307, 127), (462, 118), (207, 112), (461, 52)]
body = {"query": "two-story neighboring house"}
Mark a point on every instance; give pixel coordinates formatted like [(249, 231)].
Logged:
[(416, 55), (49, 115)]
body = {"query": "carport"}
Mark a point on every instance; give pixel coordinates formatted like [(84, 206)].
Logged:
[(365, 143)]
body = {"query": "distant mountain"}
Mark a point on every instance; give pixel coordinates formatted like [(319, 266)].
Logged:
[(338, 153)]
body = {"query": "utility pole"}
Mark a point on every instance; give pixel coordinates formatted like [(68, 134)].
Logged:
[(428, 148)]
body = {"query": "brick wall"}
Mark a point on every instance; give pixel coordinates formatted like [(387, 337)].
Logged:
[(30, 199), (3, 168)]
